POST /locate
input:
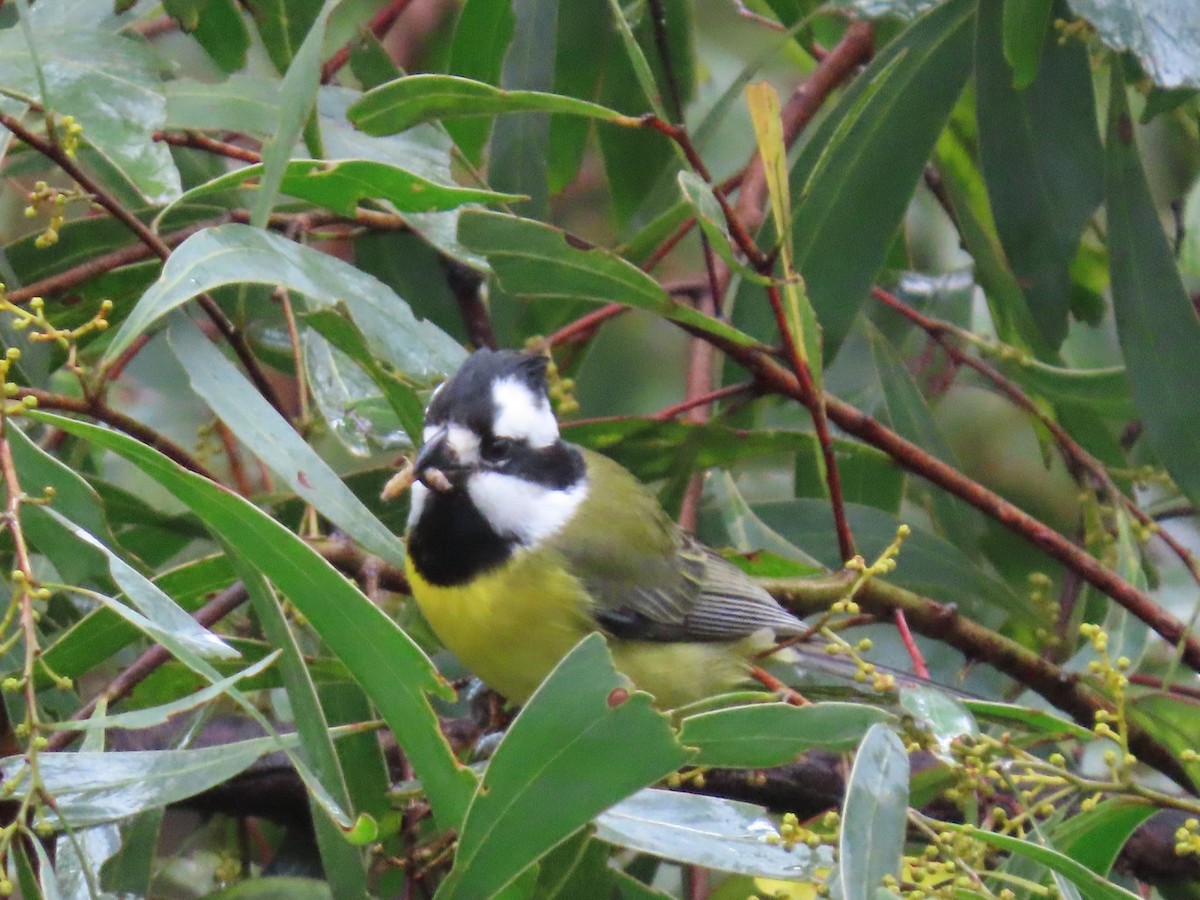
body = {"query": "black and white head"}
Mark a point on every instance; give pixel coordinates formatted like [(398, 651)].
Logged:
[(493, 475)]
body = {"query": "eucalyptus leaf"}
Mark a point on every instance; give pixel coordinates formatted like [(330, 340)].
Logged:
[(110, 83), (232, 398), (595, 743), (712, 832), (414, 99), (239, 254), (874, 816)]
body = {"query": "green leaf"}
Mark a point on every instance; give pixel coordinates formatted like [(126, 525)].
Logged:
[(239, 254), (102, 786), (578, 69), (773, 734), (160, 611), (217, 25), (1042, 162), (855, 176), (259, 426), (297, 99), (157, 715), (340, 185), (1091, 886), (111, 85), (340, 332), (241, 102), (481, 38), (1104, 390), (726, 835), (576, 868), (536, 260), (342, 862), (283, 26), (1095, 836), (392, 670), (966, 193), (1156, 322), (520, 145), (581, 743), (1162, 34), (874, 816), (1024, 33), (101, 633), (905, 409), (699, 196), (414, 99), (1038, 720)]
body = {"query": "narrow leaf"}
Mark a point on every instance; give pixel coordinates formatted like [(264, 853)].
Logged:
[(340, 185), (773, 734), (874, 817), (1091, 886), (259, 426), (581, 743), (1156, 322), (726, 835), (854, 178), (239, 254), (414, 99), (156, 606)]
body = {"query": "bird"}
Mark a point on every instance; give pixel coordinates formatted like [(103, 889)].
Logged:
[(520, 543)]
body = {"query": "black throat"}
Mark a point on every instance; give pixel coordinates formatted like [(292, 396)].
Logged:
[(451, 543)]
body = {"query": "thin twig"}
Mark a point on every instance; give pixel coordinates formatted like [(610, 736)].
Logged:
[(914, 652), (197, 141)]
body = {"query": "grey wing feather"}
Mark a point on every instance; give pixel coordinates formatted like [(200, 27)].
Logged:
[(705, 599)]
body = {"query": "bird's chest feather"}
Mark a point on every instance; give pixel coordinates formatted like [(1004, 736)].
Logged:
[(511, 624)]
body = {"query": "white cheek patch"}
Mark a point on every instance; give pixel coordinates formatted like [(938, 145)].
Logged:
[(416, 502), (523, 415), (529, 512)]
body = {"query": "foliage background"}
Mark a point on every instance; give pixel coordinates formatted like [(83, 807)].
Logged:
[(949, 283)]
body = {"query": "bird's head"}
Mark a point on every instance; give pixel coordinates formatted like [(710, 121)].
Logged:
[(491, 446)]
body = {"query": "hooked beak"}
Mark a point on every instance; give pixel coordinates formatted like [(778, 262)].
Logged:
[(436, 463)]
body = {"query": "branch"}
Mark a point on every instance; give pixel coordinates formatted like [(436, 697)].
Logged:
[(1074, 453), (772, 376), (101, 412), (53, 152)]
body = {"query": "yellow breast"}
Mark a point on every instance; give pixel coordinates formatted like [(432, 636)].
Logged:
[(511, 626)]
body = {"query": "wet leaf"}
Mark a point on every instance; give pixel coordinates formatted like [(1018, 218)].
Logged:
[(874, 816), (725, 835)]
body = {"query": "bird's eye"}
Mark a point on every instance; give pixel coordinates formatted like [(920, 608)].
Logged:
[(495, 449)]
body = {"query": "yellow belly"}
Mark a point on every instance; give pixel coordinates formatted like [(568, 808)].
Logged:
[(512, 636)]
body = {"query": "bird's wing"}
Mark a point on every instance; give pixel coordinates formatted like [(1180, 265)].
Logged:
[(649, 580), (705, 598)]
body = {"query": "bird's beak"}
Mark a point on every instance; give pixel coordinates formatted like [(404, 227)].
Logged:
[(436, 462)]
